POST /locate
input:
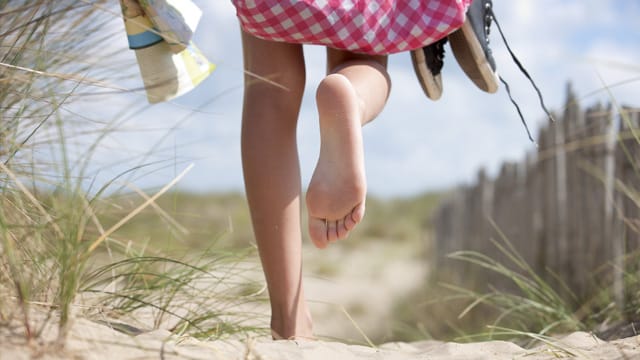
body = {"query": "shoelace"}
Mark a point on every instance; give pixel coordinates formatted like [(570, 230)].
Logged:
[(436, 62), (522, 69)]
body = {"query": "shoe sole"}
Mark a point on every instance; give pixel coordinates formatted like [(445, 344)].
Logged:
[(469, 54), (431, 84)]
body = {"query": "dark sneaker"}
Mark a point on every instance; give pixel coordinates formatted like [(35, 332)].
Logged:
[(427, 63), (470, 46)]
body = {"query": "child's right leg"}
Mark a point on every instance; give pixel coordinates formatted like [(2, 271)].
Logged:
[(272, 175), (353, 94)]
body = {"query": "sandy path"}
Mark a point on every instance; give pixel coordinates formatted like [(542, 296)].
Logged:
[(366, 282), (89, 340)]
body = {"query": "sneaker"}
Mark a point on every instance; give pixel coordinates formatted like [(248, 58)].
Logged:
[(427, 63), (470, 46)]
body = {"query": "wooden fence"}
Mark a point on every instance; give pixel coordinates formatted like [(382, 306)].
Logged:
[(571, 208)]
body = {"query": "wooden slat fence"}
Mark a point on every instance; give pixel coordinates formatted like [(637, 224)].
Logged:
[(571, 208)]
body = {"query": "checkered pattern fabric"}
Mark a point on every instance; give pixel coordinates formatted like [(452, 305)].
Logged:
[(364, 26)]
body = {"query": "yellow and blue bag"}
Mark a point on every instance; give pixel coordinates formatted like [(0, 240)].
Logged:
[(160, 32)]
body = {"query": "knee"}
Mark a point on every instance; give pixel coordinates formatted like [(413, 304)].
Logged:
[(282, 84), (279, 92), (273, 101)]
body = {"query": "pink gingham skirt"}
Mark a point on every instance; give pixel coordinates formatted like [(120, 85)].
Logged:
[(364, 26)]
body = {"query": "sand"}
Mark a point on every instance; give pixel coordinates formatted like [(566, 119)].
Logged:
[(92, 340), (347, 286)]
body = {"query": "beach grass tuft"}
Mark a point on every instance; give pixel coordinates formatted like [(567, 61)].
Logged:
[(59, 258)]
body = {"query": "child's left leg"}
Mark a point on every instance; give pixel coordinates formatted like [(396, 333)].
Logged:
[(274, 84), (353, 94)]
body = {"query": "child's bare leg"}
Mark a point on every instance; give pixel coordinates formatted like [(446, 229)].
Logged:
[(352, 94), (272, 175)]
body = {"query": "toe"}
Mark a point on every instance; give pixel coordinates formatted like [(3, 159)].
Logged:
[(349, 222), (341, 228), (318, 232), (356, 215), (332, 231)]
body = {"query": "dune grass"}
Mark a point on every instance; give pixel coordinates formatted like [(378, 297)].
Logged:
[(61, 252), (532, 306), (517, 304)]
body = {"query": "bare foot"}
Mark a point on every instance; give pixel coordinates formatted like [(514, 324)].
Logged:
[(336, 194)]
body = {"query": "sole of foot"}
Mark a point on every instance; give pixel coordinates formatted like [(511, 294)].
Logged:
[(336, 194)]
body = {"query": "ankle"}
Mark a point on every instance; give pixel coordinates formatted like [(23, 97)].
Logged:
[(297, 325)]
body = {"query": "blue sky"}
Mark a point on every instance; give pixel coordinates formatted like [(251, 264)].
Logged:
[(416, 144)]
